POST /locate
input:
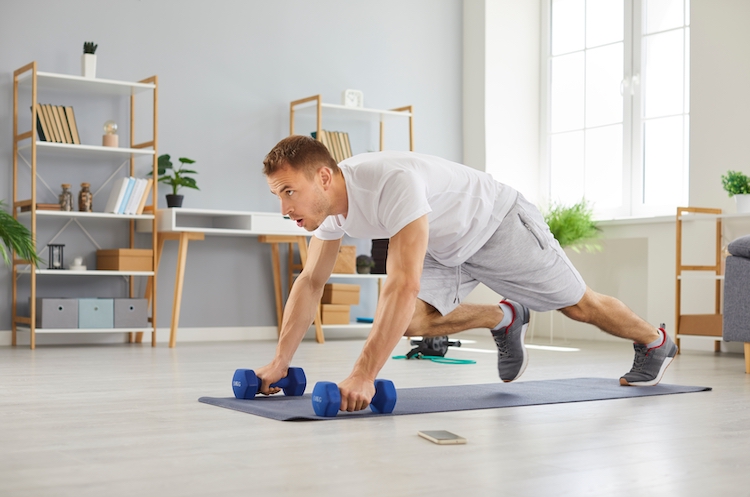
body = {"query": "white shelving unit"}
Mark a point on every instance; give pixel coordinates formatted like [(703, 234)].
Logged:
[(31, 150)]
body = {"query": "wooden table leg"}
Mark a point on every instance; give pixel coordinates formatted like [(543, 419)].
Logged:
[(179, 281), (276, 262)]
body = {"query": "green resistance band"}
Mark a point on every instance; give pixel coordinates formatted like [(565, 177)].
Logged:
[(442, 360)]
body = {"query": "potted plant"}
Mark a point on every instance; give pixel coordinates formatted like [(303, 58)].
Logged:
[(573, 226), (88, 59), (176, 177), (365, 263), (737, 185), (15, 236)]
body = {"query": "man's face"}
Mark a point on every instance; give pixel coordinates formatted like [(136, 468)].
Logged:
[(303, 199)]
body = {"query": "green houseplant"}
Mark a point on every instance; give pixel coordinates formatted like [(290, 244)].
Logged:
[(365, 263), (737, 185), (176, 177), (15, 236), (573, 226)]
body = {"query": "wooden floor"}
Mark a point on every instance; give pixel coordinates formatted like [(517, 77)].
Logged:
[(124, 420)]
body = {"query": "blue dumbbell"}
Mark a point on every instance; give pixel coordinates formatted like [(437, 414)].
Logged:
[(326, 398), (246, 384)]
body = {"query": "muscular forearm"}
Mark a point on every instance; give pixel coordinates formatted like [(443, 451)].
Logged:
[(394, 312), (298, 315)]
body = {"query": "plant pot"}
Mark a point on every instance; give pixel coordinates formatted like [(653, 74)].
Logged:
[(88, 65), (363, 269), (743, 203), (174, 200)]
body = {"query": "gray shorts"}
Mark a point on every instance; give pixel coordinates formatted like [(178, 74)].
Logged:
[(522, 261)]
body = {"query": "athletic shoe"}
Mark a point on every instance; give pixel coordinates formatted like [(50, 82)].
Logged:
[(650, 363), (511, 352)]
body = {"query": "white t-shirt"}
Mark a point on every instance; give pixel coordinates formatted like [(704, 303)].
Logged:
[(388, 190)]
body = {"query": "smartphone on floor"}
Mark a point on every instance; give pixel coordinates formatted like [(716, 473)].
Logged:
[(442, 437)]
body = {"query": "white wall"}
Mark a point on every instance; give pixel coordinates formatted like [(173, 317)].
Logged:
[(502, 90), (227, 72), (719, 98)]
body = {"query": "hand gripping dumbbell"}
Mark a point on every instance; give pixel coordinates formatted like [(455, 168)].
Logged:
[(326, 398), (246, 384)]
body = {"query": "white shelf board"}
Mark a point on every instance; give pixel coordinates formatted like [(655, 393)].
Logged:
[(87, 272), (69, 82), (85, 330), (223, 222), (46, 148), (359, 276), (692, 276), (705, 217), (335, 110), (358, 326), (86, 215)]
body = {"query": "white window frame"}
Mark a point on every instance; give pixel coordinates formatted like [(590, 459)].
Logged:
[(632, 151)]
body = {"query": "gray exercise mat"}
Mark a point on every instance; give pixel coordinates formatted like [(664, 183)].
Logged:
[(458, 398)]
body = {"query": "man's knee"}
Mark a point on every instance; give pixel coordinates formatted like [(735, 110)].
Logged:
[(423, 314), (586, 308)]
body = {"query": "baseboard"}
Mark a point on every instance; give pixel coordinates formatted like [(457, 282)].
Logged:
[(218, 334)]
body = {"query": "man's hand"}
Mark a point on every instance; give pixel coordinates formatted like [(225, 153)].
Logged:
[(356, 393), (268, 374)]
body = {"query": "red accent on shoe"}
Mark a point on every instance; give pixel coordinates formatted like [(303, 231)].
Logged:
[(513, 313), (663, 340)]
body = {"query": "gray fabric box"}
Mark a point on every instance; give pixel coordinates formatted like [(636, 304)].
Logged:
[(131, 313), (95, 313), (56, 313)]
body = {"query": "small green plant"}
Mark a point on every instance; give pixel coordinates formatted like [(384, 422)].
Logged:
[(89, 47), (735, 183), (176, 177), (573, 226), (365, 263), (15, 236)]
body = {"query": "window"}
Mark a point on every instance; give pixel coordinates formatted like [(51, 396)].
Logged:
[(617, 112)]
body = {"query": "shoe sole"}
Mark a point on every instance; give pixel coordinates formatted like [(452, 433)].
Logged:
[(525, 354), (650, 383)]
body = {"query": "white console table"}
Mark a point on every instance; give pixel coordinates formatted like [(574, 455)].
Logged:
[(184, 225)]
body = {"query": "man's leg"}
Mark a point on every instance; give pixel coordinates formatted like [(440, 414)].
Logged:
[(654, 348), (611, 316), (428, 322)]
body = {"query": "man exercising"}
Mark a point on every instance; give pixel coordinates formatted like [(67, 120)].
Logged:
[(450, 228)]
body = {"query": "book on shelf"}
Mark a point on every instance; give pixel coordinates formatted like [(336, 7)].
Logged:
[(50, 123), (42, 207), (56, 123), (63, 123), (72, 125), (129, 195), (337, 143)]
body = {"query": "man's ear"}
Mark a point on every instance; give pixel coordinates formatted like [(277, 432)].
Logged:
[(326, 177)]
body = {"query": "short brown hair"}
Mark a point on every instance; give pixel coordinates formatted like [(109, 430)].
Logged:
[(301, 153)]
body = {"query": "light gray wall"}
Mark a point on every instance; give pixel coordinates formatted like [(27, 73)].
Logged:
[(227, 72), (719, 98)]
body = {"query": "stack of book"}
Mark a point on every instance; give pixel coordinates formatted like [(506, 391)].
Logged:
[(337, 142), (42, 207), (56, 123), (129, 195)]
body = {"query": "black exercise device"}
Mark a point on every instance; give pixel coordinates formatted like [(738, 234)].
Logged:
[(431, 347), (246, 384), (326, 398)]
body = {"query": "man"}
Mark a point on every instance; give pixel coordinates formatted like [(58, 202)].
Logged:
[(450, 227)]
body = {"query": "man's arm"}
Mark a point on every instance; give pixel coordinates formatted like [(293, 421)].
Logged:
[(398, 297), (300, 308)]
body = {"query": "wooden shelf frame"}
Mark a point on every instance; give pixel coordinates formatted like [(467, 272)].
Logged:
[(316, 102), (704, 325), (29, 75)]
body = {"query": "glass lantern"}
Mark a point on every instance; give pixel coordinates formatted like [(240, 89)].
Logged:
[(55, 259), (110, 134)]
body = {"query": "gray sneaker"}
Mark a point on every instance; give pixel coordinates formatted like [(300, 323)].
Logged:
[(511, 352), (649, 364)]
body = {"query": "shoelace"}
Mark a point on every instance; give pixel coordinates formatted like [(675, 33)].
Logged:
[(641, 351), (501, 340)]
